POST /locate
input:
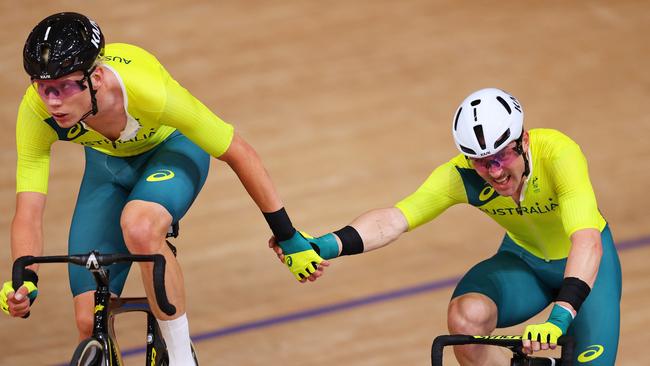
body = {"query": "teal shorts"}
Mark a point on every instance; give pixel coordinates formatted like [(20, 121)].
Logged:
[(171, 174), (522, 285)]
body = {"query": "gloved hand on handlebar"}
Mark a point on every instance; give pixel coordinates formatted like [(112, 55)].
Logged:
[(18, 303), (544, 336)]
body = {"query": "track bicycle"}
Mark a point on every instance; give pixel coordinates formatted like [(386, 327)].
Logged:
[(511, 342), (101, 349)]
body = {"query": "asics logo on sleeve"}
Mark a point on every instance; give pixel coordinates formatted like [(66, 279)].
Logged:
[(592, 353), (160, 175)]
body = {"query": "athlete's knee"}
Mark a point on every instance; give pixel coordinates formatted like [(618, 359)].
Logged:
[(143, 229), (140, 236), (471, 314)]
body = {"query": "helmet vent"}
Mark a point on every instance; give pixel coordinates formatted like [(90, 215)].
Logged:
[(456, 120), (502, 139), (478, 131), (474, 103), (505, 104), (467, 150), (45, 54)]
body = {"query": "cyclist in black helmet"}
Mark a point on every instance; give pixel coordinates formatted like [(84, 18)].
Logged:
[(62, 44), (147, 145)]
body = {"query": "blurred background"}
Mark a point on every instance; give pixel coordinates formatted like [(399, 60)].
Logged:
[(350, 104)]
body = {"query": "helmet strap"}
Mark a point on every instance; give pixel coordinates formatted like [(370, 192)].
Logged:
[(519, 148), (93, 99)]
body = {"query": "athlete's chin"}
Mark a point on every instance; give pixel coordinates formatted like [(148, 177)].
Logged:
[(506, 193), (66, 121), (505, 190)]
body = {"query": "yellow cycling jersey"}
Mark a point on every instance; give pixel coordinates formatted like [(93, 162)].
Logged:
[(156, 105), (557, 197)]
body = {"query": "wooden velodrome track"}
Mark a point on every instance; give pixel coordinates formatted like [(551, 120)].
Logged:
[(350, 104)]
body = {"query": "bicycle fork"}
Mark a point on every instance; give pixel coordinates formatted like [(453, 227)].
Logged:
[(156, 352)]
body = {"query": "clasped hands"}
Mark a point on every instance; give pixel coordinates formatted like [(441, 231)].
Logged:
[(305, 256)]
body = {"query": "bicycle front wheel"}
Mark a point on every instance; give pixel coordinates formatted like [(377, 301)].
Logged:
[(90, 352)]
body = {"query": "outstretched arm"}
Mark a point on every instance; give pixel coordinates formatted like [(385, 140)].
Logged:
[(244, 161), (379, 227), (373, 229)]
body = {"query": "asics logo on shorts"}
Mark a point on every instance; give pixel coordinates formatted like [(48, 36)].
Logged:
[(592, 353), (160, 175)]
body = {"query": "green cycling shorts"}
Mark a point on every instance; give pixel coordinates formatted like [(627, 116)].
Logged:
[(522, 285), (171, 174)]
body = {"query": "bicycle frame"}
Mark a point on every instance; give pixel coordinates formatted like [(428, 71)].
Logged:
[(101, 329), (513, 343), (106, 308)]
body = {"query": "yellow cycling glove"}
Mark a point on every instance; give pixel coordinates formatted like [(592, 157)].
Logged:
[(31, 281), (543, 333), (549, 332), (7, 289), (299, 256)]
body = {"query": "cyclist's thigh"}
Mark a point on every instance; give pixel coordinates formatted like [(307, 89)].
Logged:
[(596, 327), (173, 176), (510, 283), (96, 223)]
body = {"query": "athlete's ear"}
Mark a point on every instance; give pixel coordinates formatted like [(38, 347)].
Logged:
[(525, 141), (97, 77)]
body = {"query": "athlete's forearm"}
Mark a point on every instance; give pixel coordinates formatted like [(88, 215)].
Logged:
[(584, 256), (380, 227), (244, 161), (582, 263), (27, 225)]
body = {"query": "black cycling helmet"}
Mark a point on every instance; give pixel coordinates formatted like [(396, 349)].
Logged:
[(61, 44)]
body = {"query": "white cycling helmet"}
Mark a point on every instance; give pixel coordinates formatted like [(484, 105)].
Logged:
[(486, 121)]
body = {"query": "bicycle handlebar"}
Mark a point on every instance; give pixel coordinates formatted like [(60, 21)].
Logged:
[(512, 342), (97, 260)]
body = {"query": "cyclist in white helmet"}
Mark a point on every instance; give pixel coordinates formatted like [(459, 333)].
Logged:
[(557, 249)]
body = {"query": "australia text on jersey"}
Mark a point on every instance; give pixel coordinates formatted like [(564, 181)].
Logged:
[(529, 210)]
